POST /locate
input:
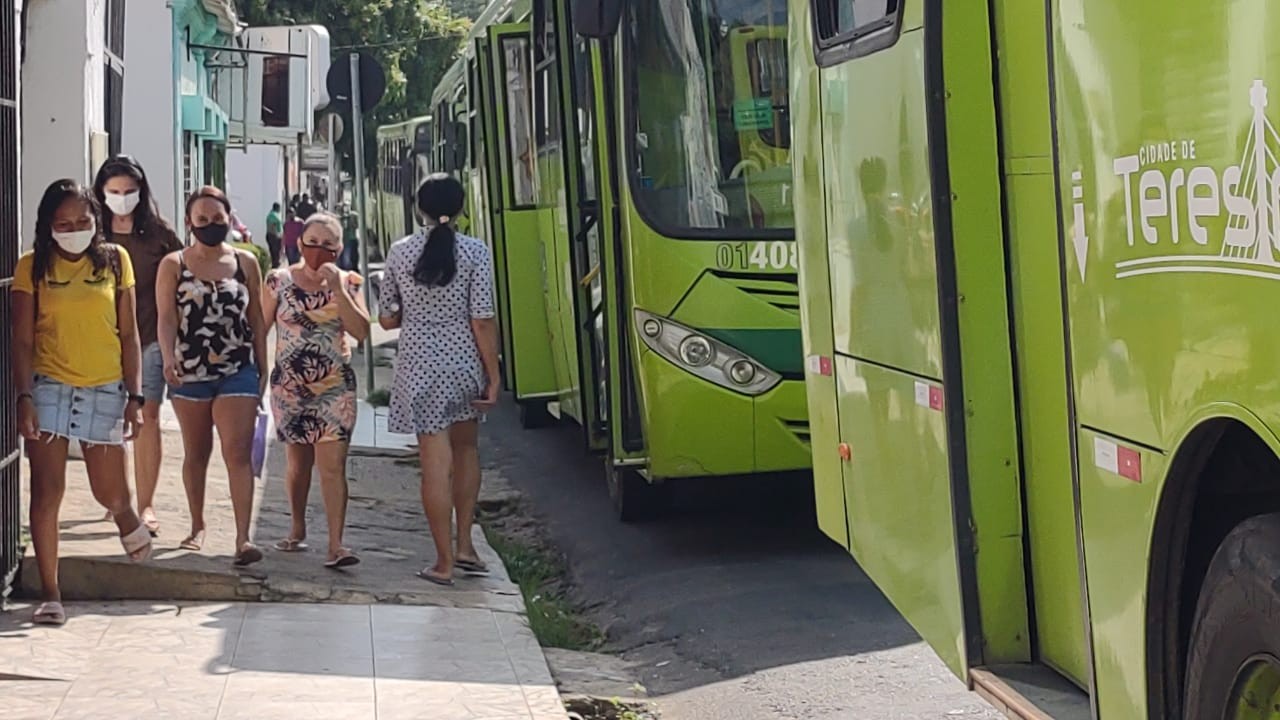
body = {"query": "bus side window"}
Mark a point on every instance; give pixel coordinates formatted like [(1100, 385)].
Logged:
[(851, 28)]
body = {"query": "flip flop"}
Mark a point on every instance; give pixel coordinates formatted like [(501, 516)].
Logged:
[(152, 524), (50, 613), (194, 543), (472, 567), (248, 555), (289, 545), (137, 544), (435, 579), (345, 559)]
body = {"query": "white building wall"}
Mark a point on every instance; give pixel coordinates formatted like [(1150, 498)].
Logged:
[(149, 103), (62, 102), (255, 180)]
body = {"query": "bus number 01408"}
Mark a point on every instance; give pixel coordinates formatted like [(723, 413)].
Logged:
[(758, 255)]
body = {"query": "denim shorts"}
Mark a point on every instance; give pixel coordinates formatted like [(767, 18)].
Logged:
[(92, 415), (244, 383), (153, 383)]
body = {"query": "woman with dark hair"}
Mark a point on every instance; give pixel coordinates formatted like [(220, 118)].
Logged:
[(212, 337), (314, 306), (133, 221), (76, 370), (437, 290)]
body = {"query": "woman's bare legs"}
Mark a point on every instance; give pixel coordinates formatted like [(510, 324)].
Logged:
[(235, 418), (299, 461), (463, 440), (196, 420), (331, 459), (48, 459), (108, 479), (147, 451), (436, 457)]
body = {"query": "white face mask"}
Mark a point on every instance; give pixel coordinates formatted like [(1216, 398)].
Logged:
[(123, 204), (75, 242)]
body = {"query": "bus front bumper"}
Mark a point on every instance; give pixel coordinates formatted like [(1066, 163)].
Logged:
[(694, 428)]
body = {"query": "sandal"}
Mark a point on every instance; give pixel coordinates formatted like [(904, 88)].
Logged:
[(248, 555), (345, 559), (194, 542), (472, 567), (290, 545), (137, 544), (50, 613), (431, 577)]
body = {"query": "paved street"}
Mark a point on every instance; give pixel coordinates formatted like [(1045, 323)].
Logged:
[(740, 611), (274, 662)]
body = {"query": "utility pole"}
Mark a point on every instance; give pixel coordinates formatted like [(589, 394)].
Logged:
[(357, 139)]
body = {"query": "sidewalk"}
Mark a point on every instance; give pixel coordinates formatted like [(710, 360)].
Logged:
[(374, 641), (268, 662)]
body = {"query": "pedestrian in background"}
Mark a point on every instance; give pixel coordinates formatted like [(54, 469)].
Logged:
[(306, 208), (437, 291), (315, 305), (292, 233), (350, 243), (275, 229), (211, 330), (76, 369), (132, 218)]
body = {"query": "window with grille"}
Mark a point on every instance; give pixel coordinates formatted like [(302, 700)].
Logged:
[(113, 75), (10, 483)]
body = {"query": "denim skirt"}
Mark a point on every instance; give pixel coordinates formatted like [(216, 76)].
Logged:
[(92, 415)]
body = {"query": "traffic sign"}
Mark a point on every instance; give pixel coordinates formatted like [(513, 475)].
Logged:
[(373, 82)]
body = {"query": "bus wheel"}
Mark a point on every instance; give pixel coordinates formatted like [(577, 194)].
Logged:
[(635, 499), (1233, 667), (534, 415)]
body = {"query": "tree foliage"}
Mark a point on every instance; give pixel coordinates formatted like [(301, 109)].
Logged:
[(414, 40)]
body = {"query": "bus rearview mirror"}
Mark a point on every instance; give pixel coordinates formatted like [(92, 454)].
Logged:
[(597, 18)]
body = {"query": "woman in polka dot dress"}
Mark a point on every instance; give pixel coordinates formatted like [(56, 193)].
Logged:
[(437, 290)]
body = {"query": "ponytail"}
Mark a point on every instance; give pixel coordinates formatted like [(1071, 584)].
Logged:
[(439, 199), (438, 264)]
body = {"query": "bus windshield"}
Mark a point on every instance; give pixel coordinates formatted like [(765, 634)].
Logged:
[(710, 122)]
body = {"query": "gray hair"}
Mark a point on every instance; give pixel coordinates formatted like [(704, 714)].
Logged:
[(328, 220)]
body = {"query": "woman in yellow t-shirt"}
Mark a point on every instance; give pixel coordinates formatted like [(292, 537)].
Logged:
[(76, 365)]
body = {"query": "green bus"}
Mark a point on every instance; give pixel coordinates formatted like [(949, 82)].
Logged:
[(398, 169), (639, 192), (1022, 226)]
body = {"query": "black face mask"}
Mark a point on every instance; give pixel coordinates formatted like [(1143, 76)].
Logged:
[(213, 234)]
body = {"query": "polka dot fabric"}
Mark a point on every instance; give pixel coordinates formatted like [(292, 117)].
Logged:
[(438, 372)]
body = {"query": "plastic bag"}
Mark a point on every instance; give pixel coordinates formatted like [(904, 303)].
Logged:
[(260, 443)]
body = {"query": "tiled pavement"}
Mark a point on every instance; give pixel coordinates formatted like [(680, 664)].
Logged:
[(309, 662)]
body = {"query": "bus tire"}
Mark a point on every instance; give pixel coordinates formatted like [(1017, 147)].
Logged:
[(635, 499), (1237, 621), (534, 415)]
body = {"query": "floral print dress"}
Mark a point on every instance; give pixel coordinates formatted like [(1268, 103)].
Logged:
[(313, 388)]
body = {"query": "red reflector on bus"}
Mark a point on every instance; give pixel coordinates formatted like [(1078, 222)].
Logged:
[(1129, 464)]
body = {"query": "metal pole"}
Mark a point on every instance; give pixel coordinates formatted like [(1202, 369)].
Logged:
[(357, 139), (335, 184)]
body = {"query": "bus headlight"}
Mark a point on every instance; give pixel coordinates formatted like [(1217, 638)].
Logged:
[(696, 351), (742, 372), (704, 356)]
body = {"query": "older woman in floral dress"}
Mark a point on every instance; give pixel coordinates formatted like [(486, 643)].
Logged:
[(314, 306)]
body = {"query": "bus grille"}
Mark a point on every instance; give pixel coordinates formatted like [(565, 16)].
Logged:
[(799, 428), (780, 291)]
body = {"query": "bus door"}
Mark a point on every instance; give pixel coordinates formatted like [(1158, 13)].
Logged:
[(582, 199), (517, 251)]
